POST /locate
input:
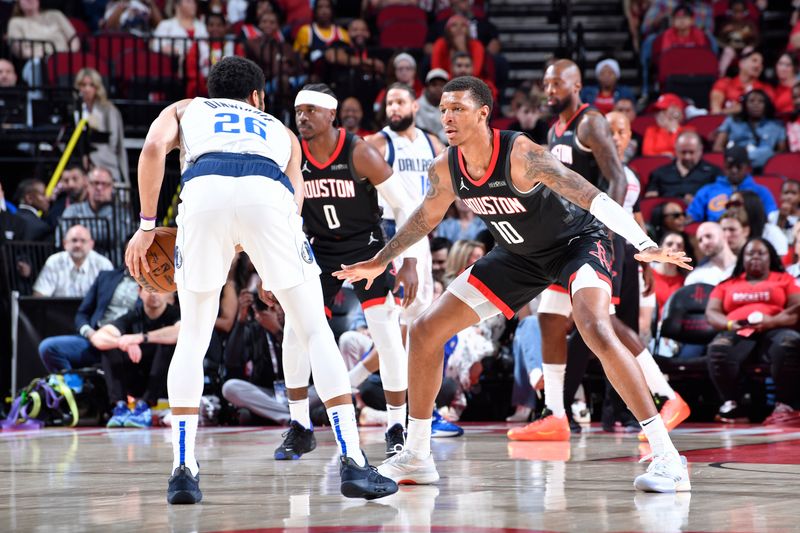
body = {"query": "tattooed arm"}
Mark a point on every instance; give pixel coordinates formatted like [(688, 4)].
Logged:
[(595, 133), (421, 222), (532, 165)]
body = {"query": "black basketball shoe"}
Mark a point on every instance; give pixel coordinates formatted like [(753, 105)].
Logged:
[(395, 440), (184, 488), (363, 482), (296, 441)]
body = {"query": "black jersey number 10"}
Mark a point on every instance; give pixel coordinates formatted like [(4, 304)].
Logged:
[(507, 231)]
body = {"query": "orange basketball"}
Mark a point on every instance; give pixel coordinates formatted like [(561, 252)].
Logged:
[(161, 260)]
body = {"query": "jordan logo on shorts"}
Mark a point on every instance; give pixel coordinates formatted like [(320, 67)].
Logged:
[(372, 238), (602, 256)]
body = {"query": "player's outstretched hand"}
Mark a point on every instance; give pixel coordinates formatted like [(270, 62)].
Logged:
[(368, 270), (137, 251), (660, 255)]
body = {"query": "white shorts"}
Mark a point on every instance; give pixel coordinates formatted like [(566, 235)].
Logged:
[(424, 291), (218, 212)]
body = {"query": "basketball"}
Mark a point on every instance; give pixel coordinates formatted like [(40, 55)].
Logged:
[(161, 260)]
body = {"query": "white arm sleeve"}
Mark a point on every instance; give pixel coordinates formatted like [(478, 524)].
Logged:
[(620, 222), (402, 206)]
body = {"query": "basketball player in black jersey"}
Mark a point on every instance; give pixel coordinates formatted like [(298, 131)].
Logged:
[(342, 178), (582, 140), (548, 224)]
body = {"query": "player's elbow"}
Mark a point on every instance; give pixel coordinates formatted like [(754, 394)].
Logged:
[(153, 148)]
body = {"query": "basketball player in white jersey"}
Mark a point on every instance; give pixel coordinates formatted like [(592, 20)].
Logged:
[(242, 186), (410, 152)]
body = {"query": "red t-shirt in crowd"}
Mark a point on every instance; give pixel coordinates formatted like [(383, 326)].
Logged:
[(665, 286), (740, 297), (783, 99), (658, 141), (733, 89), (604, 102)]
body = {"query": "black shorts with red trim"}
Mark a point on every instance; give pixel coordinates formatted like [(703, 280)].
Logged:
[(510, 281), (331, 255), (618, 246)]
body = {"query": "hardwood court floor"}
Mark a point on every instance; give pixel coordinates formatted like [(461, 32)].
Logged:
[(745, 479)]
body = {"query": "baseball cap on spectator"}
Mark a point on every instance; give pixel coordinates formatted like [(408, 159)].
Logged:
[(667, 100), (437, 74), (736, 155), (405, 57)]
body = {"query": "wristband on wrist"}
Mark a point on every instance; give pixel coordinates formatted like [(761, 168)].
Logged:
[(146, 223)]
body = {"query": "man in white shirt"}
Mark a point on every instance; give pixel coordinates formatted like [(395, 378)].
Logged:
[(720, 260), (70, 273)]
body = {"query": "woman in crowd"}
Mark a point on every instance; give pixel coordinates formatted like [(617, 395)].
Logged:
[(667, 217), (751, 203), (462, 254), (668, 278), (755, 128), (727, 92), (28, 22), (457, 39), (755, 311), (785, 80), (104, 118), (179, 31), (735, 228)]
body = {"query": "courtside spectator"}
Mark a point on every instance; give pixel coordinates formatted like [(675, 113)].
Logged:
[(659, 138), (737, 33), (529, 120), (429, 117), (727, 92), (751, 203), (793, 126), (113, 294), (72, 188), (788, 213), (314, 39), (668, 217), (754, 128), (465, 226), (403, 70), (462, 254), (627, 107), (668, 278), (709, 202), (357, 53), (656, 18), (103, 117), (785, 80), (179, 31), (605, 94), (687, 173), (350, 115), (71, 273), (735, 228), (755, 313), (138, 17), (99, 203), (31, 199), (457, 38), (440, 248), (136, 350), (718, 260), (8, 74), (29, 23)]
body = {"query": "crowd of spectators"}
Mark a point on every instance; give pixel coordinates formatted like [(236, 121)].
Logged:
[(708, 198)]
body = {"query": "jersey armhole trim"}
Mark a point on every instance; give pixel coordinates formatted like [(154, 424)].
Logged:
[(510, 183), (389, 149)]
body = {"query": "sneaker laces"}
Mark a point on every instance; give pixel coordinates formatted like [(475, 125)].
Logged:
[(289, 436), (400, 457), (660, 466)]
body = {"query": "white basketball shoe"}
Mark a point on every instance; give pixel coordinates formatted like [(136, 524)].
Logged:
[(666, 473), (406, 468)]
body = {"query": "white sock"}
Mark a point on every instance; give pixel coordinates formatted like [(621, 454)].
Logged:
[(345, 431), (655, 379), (418, 439), (298, 411), (657, 435), (358, 374), (395, 414), (554, 388), (184, 430)]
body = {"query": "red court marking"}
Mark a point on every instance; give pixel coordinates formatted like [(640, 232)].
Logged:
[(780, 453)]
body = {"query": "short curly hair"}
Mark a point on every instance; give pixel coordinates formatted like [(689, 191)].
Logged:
[(235, 78)]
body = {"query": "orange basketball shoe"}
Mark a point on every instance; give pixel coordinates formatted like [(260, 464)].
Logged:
[(673, 412), (546, 427)]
